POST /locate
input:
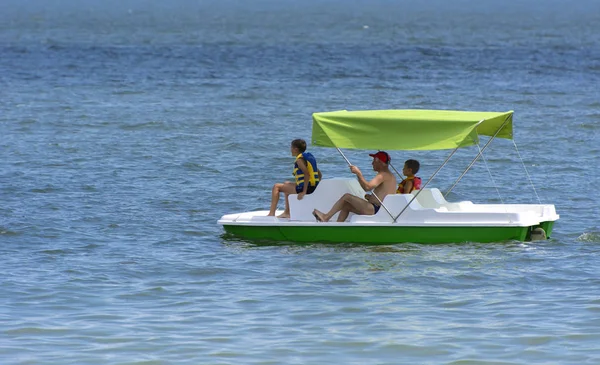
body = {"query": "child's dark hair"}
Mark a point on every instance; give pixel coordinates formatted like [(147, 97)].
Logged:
[(300, 144), (413, 165)]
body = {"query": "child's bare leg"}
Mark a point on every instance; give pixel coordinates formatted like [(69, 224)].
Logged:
[(274, 198), (289, 188), (286, 188), (286, 211)]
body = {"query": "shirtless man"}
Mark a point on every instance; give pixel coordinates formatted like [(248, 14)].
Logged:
[(384, 183)]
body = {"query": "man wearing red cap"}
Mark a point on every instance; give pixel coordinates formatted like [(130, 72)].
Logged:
[(383, 183)]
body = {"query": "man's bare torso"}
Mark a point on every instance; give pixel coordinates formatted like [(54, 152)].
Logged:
[(388, 186)]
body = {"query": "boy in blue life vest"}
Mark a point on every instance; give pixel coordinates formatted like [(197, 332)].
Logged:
[(412, 182), (307, 176)]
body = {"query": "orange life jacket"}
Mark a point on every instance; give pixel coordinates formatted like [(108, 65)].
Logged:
[(416, 185)]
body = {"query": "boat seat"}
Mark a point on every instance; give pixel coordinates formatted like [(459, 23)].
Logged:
[(325, 195), (395, 203), (434, 199), (430, 198)]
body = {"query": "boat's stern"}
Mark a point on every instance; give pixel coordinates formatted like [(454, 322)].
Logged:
[(546, 218)]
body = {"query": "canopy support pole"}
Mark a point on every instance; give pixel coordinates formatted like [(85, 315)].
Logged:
[(478, 155), (491, 177), (342, 153), (397, 173), (527, 172), (375, 195), (427, 183)]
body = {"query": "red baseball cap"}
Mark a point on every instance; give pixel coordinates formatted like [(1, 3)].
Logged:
[(382, 156)]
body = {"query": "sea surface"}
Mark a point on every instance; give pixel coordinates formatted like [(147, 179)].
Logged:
[(127, 128)]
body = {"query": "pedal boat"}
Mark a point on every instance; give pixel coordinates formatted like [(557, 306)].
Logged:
[(424, 216)]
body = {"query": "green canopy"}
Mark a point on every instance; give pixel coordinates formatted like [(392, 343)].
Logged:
[(409, 129)]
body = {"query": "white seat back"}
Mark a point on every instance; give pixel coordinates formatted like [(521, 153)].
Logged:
[(430, 198), (395, 203), (325, 195)]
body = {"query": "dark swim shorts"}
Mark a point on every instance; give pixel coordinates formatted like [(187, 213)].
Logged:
[(310, 190), (376, 207)]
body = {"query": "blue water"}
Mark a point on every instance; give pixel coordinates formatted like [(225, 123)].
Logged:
[(129, 127)]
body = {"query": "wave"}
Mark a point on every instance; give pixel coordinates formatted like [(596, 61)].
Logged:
[(8, 232), (47, 189), (128, 92), (143, 125), (589, 237)]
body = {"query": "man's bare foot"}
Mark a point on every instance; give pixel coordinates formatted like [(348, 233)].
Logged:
[(320, 217), (284, 215)]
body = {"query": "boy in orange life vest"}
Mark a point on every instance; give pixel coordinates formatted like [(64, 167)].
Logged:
[(307, 176), (412, 182)]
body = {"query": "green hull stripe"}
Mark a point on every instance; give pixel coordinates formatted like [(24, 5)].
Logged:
[(386, 235)]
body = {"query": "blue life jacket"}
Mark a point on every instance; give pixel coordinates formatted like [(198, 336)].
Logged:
[(313, 170)]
